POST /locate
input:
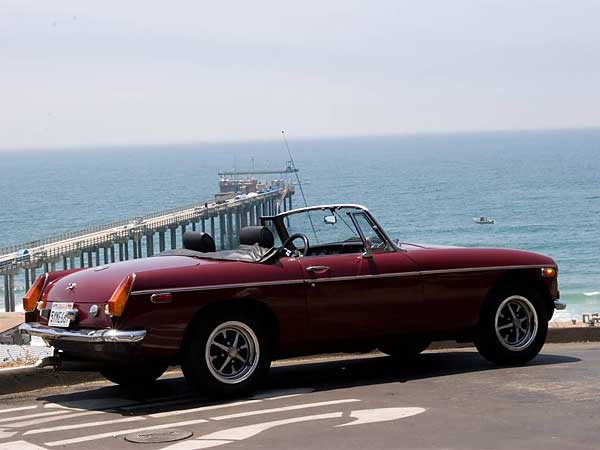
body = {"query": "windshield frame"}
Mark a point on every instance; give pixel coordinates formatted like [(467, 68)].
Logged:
[(278, 221)]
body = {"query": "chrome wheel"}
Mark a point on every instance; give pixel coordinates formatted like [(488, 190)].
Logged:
[(516, 323), (232, 352)]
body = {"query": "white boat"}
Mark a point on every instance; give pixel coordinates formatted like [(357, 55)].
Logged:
[(484, 220)]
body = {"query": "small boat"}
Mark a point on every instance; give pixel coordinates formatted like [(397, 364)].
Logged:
[(484, 220)]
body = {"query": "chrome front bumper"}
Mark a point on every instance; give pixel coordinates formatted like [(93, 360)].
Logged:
[(559, 306), (90, 336)]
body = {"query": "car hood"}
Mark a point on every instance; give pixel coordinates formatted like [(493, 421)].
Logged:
[(438, 257), (96, 284)]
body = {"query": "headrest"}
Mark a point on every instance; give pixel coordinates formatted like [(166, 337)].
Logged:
[(257, 235), (200, 242)]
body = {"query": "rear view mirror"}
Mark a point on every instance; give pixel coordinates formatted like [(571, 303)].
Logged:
[(331, 220)]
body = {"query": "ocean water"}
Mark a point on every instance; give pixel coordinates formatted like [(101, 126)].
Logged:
[(542, 187)]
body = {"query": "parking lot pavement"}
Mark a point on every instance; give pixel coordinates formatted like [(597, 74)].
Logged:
[(450, 399)]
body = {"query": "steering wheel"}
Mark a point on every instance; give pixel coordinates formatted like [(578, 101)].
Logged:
[(284, 250)]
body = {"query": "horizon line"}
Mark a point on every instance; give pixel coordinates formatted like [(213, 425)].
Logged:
[(137, 145)]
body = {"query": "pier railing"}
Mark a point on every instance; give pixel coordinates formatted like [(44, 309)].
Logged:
[(82, 248)]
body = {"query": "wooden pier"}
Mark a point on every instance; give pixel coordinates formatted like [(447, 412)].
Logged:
[(136, 238)]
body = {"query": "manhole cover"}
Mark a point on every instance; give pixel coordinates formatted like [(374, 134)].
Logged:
[(158, 436)]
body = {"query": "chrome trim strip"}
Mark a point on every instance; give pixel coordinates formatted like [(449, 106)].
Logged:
[(484, 269), (86, 335), (329, 280), (214, 287), (558, 305)]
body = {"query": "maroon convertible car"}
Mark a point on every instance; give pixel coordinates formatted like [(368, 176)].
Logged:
[(312, 280)]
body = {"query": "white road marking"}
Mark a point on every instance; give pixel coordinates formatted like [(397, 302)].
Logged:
[(381, 415), (35, 422), (83, 425), (197, 445), (283, 393), (6, 434), (94, 403), (248, 431), (32, 416), (285, 408), (202, 408), (245, 432), (95, 437), (19, 445), (21, 408)]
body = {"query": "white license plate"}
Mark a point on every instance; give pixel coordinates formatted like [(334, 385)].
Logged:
[(58, 315)]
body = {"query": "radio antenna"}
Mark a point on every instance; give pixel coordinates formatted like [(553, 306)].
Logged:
[(299, 182)]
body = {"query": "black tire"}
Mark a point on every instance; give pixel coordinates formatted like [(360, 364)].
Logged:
[(134, 376), (502, 338), (213, 370), (408, 348)]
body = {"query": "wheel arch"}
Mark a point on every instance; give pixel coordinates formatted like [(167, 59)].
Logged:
[(252, 307), (528, 278)]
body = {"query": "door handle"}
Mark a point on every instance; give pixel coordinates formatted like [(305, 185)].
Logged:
[(317, 268)]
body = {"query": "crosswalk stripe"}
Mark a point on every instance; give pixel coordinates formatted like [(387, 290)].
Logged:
[(281, 393), (285, 408), (21, 408), (95, 437), (32, 416), (19, 445), (83, 425), (35, 422), (93, 403), (203, 408)]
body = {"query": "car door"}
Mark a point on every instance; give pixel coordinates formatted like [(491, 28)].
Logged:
[(395, 296)]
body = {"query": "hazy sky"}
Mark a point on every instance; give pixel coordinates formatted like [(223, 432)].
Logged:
[(84, 73)]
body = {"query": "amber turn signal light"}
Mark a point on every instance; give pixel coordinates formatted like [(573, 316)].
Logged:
[(548, 272), (34, 294), (117, 301)]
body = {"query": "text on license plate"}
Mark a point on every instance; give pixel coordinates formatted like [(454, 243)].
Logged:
[(58, 315)]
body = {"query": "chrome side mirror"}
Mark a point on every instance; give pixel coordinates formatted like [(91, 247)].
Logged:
[(368, 253)]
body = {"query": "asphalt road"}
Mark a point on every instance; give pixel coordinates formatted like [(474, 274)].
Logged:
[(449, 399)]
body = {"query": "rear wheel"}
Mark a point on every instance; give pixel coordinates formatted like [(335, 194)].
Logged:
[(226, 354), (134, 376), (513, 326), (406, 348)]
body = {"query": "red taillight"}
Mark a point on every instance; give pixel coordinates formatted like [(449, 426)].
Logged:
[(34, 294), (117, 301)]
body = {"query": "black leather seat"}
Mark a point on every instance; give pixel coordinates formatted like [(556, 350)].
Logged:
[(257, 235), (199, 242)]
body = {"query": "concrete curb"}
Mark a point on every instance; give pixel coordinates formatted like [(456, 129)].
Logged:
[(29, 378)]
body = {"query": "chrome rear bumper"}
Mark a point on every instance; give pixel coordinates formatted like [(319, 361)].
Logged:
[(559, 306), (86, 335)]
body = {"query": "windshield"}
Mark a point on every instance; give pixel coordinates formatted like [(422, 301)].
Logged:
[(319, 231), (332, 228)]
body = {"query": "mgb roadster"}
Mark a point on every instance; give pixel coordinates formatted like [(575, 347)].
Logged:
[(307, 281)]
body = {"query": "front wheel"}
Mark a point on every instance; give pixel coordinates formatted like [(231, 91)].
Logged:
[(226, 355), (513, 327)]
